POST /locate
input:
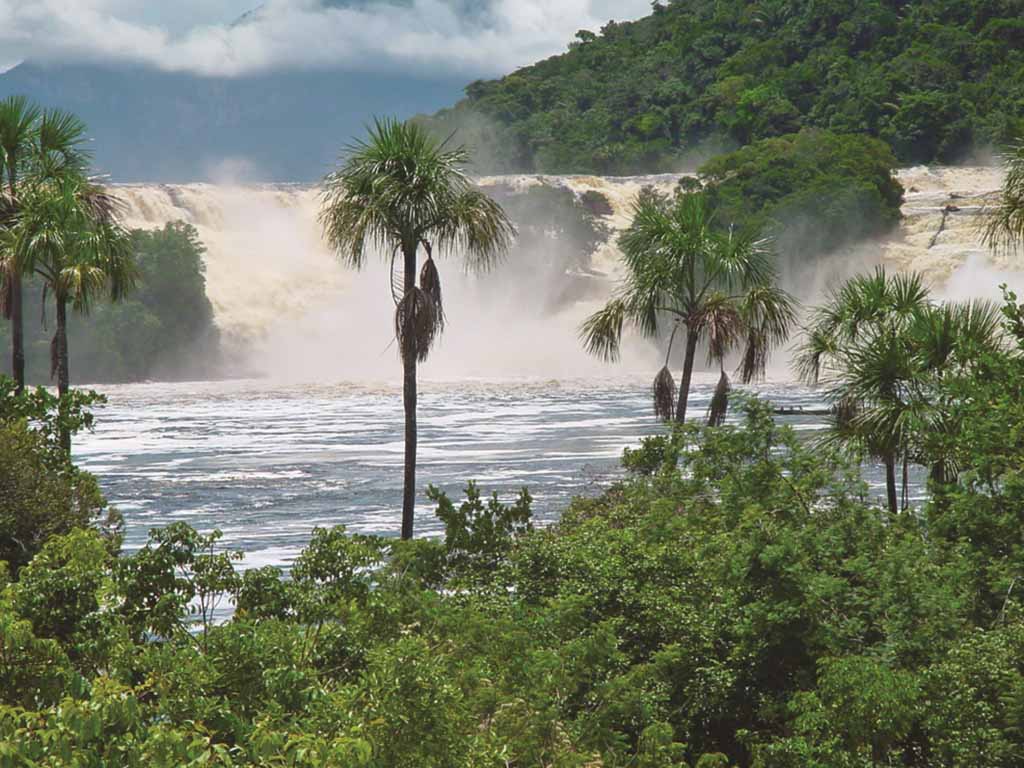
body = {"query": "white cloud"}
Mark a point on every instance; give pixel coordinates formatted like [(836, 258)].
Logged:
[(418, 35)]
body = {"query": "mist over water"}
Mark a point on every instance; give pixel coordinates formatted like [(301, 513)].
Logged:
[(290, 311)]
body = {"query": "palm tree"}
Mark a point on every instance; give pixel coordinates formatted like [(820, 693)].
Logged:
[(34, 145), (883, 348), (68, 235), (18, 133), (1004, 223), (684, 274), (400, 191)]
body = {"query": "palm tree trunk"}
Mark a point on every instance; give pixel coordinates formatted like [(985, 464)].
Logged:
[(17, 319), (684, 385), (890, 483), (906, 484), (17, 332), (409, 400), (63, 374)]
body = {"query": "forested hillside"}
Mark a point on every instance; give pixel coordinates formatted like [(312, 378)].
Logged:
[(935, 79)]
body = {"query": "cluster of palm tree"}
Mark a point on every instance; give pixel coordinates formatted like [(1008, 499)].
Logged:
[(687, 276), (56, 224), (882, 348)]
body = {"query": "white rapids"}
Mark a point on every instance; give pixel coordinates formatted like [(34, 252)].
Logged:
[(268, 269)]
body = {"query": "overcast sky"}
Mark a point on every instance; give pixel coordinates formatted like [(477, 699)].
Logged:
[(437, 36)]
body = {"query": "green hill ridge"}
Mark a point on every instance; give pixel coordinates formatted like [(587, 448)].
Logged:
[(937, 80)]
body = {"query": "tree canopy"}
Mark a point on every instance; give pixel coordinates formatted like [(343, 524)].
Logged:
[(931, 78)]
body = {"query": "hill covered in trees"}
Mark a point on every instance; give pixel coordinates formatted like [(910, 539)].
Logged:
[(934, 79)]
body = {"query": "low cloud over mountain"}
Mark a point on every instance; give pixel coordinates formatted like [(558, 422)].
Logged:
[(473, 38)]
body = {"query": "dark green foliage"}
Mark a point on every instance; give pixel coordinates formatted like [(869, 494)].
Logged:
[(932, 78), (41, 493), (164, 328), (737, 601), (478, 536), (741, 604), (813, 191)]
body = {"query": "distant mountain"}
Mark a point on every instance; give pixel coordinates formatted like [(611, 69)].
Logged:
[(173, 127)]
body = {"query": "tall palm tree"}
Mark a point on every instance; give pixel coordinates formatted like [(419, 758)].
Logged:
[(68, 235), (1004, 223), (35, 145), (686, 275), (399, 191), (882, 346), (18, 134)]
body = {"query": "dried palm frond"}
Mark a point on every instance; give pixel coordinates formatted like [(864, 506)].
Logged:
[(416, 324), (664, 395), (719, 402), (430, 282), (720, 322)]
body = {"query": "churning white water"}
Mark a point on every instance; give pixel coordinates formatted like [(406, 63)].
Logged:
[(509, 397)]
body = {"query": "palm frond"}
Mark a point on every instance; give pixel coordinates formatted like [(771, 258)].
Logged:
[(719, 321), (19, 120), (1004, 222), (430, 282), (416, 324), (62, 137), (768, 314), (475, 225), (664, 392), (601, 333), (719, 405)]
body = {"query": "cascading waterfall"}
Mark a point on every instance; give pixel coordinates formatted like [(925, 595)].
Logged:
[(280, 295)]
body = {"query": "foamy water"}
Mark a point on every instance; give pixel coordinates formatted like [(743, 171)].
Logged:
[(267, 463)]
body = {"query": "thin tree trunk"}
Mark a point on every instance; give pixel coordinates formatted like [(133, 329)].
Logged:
[(409, 400), (906, 484), (17, 332), (890, 483), (17, 319), (684, 385), (63, 374)]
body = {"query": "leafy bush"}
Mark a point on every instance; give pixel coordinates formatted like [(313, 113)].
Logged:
[(41, 493)]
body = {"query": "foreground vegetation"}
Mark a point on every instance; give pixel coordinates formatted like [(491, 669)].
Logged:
[(933, 79), (739, 600)]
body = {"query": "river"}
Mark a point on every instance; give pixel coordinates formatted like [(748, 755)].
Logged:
[(266, 463)]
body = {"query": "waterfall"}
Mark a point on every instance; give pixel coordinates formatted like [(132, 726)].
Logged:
[(279, 294)]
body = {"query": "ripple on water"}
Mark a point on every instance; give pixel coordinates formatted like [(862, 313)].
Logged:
[(267, 463)]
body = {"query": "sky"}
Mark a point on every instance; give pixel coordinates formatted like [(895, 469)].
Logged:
[(478, 38)]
